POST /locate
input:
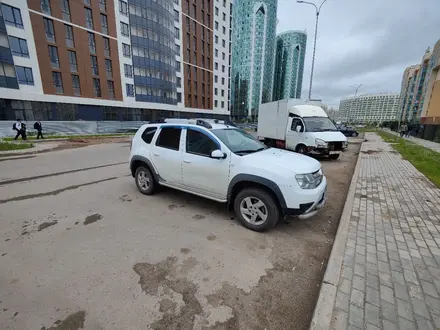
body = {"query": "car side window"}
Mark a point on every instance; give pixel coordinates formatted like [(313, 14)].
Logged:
[(297, 122), (169, 137), (148, 134), (199, 143)]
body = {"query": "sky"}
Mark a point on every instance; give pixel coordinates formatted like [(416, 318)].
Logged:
[(368, 42)]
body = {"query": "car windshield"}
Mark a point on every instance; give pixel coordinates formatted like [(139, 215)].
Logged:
[(319, 124), (238, 141)]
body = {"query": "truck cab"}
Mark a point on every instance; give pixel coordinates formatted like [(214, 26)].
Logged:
[(301, 128)]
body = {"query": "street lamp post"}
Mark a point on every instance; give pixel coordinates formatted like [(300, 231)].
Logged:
[(351, 103), (318, 10)]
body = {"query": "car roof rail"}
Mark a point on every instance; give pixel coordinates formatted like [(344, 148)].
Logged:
[(199, 122)]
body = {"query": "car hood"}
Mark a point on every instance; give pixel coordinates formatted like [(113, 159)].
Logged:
[(330, 136), (290, 160)]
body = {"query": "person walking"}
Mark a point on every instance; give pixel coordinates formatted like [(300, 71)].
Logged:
[(39, 128), (402, 130), (18, 126)]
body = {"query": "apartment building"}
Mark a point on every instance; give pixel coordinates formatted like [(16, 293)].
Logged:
[(253, 56), (407, 92), (114, 60), (431, 106), (369, 108), (289, 65)]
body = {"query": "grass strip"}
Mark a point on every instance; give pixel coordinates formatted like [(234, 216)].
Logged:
[(424, 159)]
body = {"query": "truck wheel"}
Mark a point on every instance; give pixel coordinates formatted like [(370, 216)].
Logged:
[(333, 156), (256, 209), (301, 149), (145, 180)]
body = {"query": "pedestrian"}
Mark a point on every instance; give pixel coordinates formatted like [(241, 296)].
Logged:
[(39, 128), (23, 131), (18, 126), (402, 130)]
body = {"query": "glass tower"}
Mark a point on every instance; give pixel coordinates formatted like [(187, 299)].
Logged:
[(289, 65), (253, 44), (153, 48)]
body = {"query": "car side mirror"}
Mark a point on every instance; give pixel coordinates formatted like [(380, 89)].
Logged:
[(218, 154), (298, 129)]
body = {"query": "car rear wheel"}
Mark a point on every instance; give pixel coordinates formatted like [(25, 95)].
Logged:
[(256, 209), (354, 134), (145, 180), (336, 156)]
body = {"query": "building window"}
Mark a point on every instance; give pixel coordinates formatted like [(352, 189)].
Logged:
[(223, 56), (48, 28), (97, 87), (102, 5), (68, 31), (215, 78), (223, 104), (89, 18), (124, 29), (176, 15), (45, 6), (128, 70), (104, 24), (123, 8), (179, 82), (57, 82), (72, 61), (216, 103), (106, 47), (176, 33), (223, 43), (24, 75), (53, 55), (223, 81), (18, 47), (92, 44), (126, 50), (111, 89), (216, 25), (215, 91), (65, 10), (216, 66), (223, 68), (76, 85), (94, 64), (179, 97), (129, 89), (216, 39), (223, 92), (12, 16), (109, 69), (224, 17), (224, 30), (216, 11), (87, 2)]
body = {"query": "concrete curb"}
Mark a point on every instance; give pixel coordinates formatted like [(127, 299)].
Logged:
[(322, 315)]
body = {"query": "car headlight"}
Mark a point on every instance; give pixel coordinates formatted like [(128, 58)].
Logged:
[(320, 143), (309, 180)]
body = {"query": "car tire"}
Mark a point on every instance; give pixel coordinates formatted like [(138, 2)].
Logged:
[(301, 149), (256, 209), (354, 134), (333, 156), (144, 180)]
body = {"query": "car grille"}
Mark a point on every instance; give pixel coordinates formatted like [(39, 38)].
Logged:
[(335, 146)]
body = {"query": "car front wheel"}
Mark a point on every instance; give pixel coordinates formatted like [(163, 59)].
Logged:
[(145, 180), (354, 134), (256, 209)]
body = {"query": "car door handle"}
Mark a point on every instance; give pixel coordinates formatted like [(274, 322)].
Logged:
[(155, 154), (186, 161)]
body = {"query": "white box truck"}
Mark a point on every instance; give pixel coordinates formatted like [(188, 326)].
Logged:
[(292, 125)]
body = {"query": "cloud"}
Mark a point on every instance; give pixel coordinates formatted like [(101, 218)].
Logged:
[(362, 42)]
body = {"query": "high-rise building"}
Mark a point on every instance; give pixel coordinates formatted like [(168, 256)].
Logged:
[(108, 60), (289, 65), (369, 108), (431, 105), (407, 92), (253, 55)]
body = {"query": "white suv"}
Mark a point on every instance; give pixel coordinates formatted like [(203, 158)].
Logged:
[(215, 160)]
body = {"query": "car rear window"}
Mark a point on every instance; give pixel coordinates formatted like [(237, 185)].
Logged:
[(148, 134), (169, 137)]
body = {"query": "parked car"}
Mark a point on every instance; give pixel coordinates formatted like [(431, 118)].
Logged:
[(228, 165), (348, 131)]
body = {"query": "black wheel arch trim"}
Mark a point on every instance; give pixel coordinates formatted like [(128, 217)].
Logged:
[(260, 180), (148, 163)]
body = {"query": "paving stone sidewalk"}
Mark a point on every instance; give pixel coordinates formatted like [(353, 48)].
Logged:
[(390, 275)]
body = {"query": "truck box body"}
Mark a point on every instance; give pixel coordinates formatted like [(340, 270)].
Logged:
[(273, 118)]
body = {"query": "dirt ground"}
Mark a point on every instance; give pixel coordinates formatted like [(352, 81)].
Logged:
[(81, 248)]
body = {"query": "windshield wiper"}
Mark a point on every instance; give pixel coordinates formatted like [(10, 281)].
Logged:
[(250, 151)]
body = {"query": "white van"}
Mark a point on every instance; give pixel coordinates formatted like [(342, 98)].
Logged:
[(301, 128)]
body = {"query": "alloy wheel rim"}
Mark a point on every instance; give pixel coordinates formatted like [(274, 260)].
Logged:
[(253, 210), (143, 180)]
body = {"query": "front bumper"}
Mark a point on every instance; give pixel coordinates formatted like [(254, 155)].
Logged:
[(307, 210)]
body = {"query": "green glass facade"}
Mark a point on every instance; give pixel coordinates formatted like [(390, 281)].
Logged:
[(253, 56), (289, 65)]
